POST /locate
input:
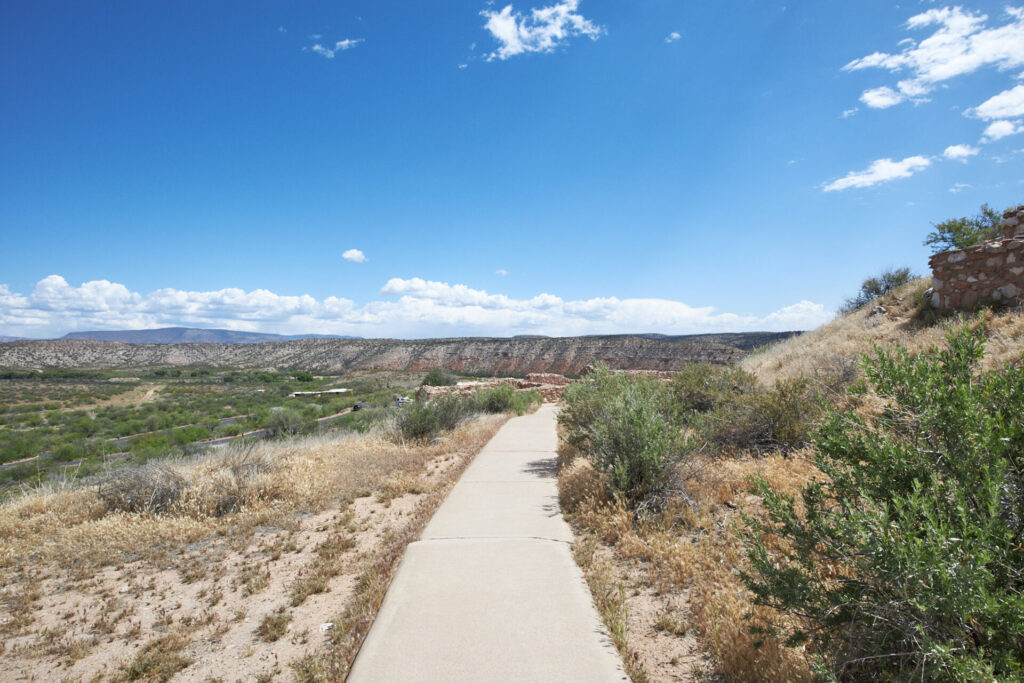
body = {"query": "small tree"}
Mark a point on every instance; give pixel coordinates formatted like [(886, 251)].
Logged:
[(960, 233), (874, 287)]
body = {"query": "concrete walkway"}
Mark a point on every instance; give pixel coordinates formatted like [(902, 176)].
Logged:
[(491, 591)]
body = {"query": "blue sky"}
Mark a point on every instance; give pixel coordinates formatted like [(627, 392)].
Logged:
[(548, 167)]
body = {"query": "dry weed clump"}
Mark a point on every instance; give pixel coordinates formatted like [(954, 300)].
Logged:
[(692, 547)]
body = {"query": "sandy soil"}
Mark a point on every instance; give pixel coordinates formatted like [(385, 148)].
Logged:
[(87, 628)]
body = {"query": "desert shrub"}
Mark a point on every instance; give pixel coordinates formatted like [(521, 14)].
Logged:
[(905, 560), (284, 422), (960, 233), (304, 376), (778, 419), (583, 403), (626, 427), (439, 378), (149, 488), (874, 287), (504, 399), (418, 421), (701, 387), (450, 410)]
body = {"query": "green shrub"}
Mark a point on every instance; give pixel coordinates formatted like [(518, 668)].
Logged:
[(906, 561), (439, 378), (304, 376), (779, 419), (874, 287), (418, 421), (627, 426), (504, 399), (701, 387), (284, 422)]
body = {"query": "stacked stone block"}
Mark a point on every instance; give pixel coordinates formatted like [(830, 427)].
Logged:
[(991, 272)]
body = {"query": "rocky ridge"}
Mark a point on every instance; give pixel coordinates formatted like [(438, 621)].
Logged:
[(565, 355)]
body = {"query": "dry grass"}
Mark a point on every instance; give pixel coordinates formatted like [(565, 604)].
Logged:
[(828, 349), (273, 535), (695, 550)]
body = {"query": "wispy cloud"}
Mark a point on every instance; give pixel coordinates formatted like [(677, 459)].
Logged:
[(960, 152), (411, 307), (880, 171), (959, 187), (502, 272), (672, 37), (961, 44), (847, 113), (354, 256), (540, 30), (339, 46)]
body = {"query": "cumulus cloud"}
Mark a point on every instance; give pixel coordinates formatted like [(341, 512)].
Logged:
[(411, 307), (1001, 129), (1005, 105), (880, 171), (340, 46), (959, 45), (354, 256), (540, 30), (960, 152), (672, 37)]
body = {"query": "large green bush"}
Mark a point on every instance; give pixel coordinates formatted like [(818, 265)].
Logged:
[(906, 561), (626, 425), (876, 286)]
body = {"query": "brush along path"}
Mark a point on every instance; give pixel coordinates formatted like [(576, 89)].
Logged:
[(491, 592)]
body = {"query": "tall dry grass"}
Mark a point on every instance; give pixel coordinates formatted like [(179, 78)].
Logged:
[(692, 547), (228, 493)]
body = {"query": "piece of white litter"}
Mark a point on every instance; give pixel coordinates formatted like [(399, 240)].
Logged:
[(326, 626)]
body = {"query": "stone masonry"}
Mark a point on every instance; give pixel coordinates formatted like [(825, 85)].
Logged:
[(989, 272)]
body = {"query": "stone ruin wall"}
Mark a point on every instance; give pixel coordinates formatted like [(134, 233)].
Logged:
[(990, 272)]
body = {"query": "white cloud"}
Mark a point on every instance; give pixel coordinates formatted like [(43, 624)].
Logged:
[(960, 152), (958, 187), (340, 46), (355, 256), (1001, 129), (847, 113), (881, 98), (880, 171), (411, 307), (463, 66), (1005, 105), (542, 30), (672, 37), (502, 272), (959, 45)]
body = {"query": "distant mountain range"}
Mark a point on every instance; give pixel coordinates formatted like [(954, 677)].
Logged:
[(9, 339), (189, 335)]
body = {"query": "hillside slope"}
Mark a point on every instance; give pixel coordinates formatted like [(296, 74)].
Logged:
[(906, 321), (561, 355)]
